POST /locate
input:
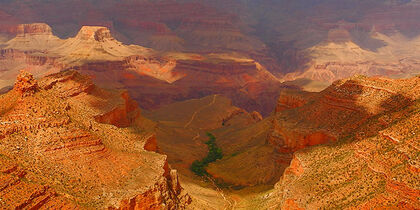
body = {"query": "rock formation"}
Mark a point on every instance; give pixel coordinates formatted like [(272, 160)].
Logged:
[(278, 38), (209, 66), (17, 192), (67, 158), (152, 78), (332, 60), (95, 43), (25, 84), (334, 113), (34, 37), (374, 166)]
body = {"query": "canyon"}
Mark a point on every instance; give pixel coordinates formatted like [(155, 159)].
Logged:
[(112, 104), (66, 118), (152, 77), (303, 39)]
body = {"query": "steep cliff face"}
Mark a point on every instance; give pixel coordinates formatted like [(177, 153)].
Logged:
[(50, 130), (152, 78), (34, 37), (290, 99), (335, 112), (276, 34), (95, 43), (374, 165), (341, 57), (123, 115)]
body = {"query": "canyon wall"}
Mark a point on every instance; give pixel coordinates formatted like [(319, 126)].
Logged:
[(370, 164), (49, 129), (152, 78)]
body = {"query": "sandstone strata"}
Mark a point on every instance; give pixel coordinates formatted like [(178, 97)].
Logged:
[(372, 164), (334, 113), (151, 77), (34, 37), (53, 135)]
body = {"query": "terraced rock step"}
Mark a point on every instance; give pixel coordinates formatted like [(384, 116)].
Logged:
[(55, 154)]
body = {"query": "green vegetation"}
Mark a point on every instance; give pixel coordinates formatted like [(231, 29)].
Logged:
[(215, 153)]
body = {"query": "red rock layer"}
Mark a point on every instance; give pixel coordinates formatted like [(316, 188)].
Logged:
[(372, 165), (150, 77), (52, 133), (292, 99), (333, 113), (123, 115), (34, 28), (16, 192), (248, 84), (25, 84)]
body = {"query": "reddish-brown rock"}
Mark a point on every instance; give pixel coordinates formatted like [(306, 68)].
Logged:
[(335, 112), (152, 78), (25, 84), (34, 28), (53, 134), (371, 163), (122, 115)]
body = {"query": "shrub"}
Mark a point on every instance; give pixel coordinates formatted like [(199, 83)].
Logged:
[(215, 153)]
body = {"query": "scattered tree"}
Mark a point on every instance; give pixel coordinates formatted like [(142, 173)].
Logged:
[(215, 153)]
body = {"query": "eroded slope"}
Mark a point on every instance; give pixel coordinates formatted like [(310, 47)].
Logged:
[(49, 129), (373, 164)]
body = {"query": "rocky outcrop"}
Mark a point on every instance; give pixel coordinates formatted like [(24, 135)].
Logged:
[(335, 112), (17, 192), (159, 196), (151, 143), (369, 166), (289, 140), (94, 33), (256, 116), (164, 78), (53, 134), (68, 84), (290, 99), (123, 115), (25, 84), (34, 37), (95, 44), (33, 29)]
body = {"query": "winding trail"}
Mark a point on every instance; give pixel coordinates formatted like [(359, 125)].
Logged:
[(230, 202), (231, 205), (199, 110), (195, 139)]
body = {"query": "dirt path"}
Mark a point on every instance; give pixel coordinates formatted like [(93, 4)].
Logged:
[(231, 203), (199, 110)]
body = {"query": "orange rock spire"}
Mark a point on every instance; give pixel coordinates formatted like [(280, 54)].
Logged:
[(26, 84)]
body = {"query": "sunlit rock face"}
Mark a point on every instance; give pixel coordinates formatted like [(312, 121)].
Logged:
[(33, 37), (49, 131), (373, 163), (73, 127), (275, 34), (25, 84), (337, 111), (169, 77)]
